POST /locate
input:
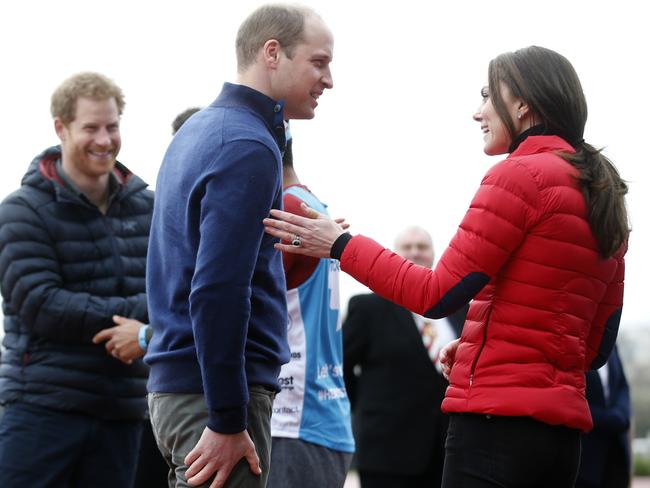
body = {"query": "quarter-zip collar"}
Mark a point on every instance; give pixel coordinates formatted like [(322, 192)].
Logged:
[(269, 110)]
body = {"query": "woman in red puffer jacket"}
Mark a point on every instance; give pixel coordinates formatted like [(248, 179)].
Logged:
[(540, 253)]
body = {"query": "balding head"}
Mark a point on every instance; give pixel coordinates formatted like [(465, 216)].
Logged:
[(285, 23), (415, 244)]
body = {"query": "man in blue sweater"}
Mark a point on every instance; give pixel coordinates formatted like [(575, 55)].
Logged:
[(215, 283)]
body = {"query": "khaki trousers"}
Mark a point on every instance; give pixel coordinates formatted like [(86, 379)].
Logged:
[(178, 420)]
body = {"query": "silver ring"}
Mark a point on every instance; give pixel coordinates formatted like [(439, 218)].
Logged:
[(296, 242)]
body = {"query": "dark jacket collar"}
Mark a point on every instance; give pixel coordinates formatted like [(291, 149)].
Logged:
[(536, 130), (113, 182), (533, 144), (271, 111), (42, 173)]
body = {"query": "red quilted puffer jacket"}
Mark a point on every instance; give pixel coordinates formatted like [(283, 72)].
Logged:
[(545, 305)]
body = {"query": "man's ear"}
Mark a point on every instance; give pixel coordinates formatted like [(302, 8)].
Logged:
[(271, 52), (59, 128)]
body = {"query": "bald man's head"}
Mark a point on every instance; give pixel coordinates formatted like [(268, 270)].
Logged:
[(415, 244)]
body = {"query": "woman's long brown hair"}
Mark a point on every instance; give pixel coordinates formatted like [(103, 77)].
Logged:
[(547, 82)]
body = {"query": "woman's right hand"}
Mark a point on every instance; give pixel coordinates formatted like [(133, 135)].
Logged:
[(447, 356), (312, 235)]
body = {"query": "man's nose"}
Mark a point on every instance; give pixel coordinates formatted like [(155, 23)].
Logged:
[(102, 137), (328, 80)]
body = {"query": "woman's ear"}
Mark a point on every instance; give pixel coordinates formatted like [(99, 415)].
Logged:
[(522, 110)]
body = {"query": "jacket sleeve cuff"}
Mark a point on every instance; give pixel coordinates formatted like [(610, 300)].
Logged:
[(339, 245), (228, 421)]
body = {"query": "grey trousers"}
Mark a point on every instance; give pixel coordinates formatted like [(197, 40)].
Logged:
[(299, 464), (178, 421)]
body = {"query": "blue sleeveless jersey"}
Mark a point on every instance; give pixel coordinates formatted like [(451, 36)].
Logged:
[(313, 404)]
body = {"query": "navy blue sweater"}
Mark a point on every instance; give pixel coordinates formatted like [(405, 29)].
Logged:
[(215, 284)]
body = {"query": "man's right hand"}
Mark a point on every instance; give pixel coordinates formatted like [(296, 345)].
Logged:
[(219, 453)]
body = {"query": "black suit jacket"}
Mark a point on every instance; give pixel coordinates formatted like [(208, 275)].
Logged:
[(396, 397), (606, 457)]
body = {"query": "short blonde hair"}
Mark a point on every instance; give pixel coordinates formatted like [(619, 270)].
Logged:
[(87, 85)]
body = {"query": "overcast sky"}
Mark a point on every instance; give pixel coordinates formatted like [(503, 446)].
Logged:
[(392, 144)]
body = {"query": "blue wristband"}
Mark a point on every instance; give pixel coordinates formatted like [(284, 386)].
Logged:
[(142, 337)]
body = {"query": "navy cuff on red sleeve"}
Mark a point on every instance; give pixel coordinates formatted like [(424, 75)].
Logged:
[(339, 245)]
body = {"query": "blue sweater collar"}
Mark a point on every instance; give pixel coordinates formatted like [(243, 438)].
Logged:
[(271, 111)]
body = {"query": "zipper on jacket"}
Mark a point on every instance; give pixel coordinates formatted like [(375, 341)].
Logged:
[(119, 269), (478, 355)]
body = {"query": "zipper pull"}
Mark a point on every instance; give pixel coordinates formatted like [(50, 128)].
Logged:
[(471, 379)]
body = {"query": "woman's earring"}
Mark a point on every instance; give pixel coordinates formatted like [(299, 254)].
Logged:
[(519, 114)]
